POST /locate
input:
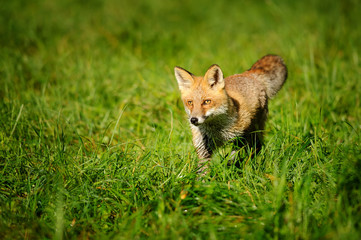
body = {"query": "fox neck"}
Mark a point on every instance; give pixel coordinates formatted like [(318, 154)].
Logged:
[(220, 128)]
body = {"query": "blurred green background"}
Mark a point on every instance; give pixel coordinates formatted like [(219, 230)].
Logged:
[(94, 142)]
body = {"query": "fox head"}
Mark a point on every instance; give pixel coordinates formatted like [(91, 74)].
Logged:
[(204, 98)]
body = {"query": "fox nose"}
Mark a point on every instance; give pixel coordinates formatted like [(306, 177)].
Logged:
[(194, 120)]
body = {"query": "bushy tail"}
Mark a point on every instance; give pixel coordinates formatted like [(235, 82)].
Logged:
[(272, 71)]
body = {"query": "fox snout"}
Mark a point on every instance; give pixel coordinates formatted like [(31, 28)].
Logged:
[(196, 121)]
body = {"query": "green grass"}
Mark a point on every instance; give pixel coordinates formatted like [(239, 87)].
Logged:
[(94, 141)]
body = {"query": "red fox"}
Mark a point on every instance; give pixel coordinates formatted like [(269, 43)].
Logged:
[(232, 109)]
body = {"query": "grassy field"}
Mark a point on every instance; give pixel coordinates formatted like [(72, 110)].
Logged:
[(94, 140)]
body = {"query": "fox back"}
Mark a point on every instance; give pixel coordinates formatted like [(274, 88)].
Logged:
[(224, 109)]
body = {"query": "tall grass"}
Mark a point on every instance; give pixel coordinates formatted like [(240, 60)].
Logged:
[(94, 142)]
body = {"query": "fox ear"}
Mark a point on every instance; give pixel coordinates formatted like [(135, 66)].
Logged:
[(214, 76), (184, 78)]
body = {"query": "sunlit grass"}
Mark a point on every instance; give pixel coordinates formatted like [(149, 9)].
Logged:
[(94, 142)]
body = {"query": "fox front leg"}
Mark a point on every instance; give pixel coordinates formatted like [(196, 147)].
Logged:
[(203, 148), (204, 156)]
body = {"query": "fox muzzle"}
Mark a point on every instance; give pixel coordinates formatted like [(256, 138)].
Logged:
[(194, 121)]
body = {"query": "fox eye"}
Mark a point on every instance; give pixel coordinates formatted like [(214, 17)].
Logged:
[(206, 102), (190, 103)]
